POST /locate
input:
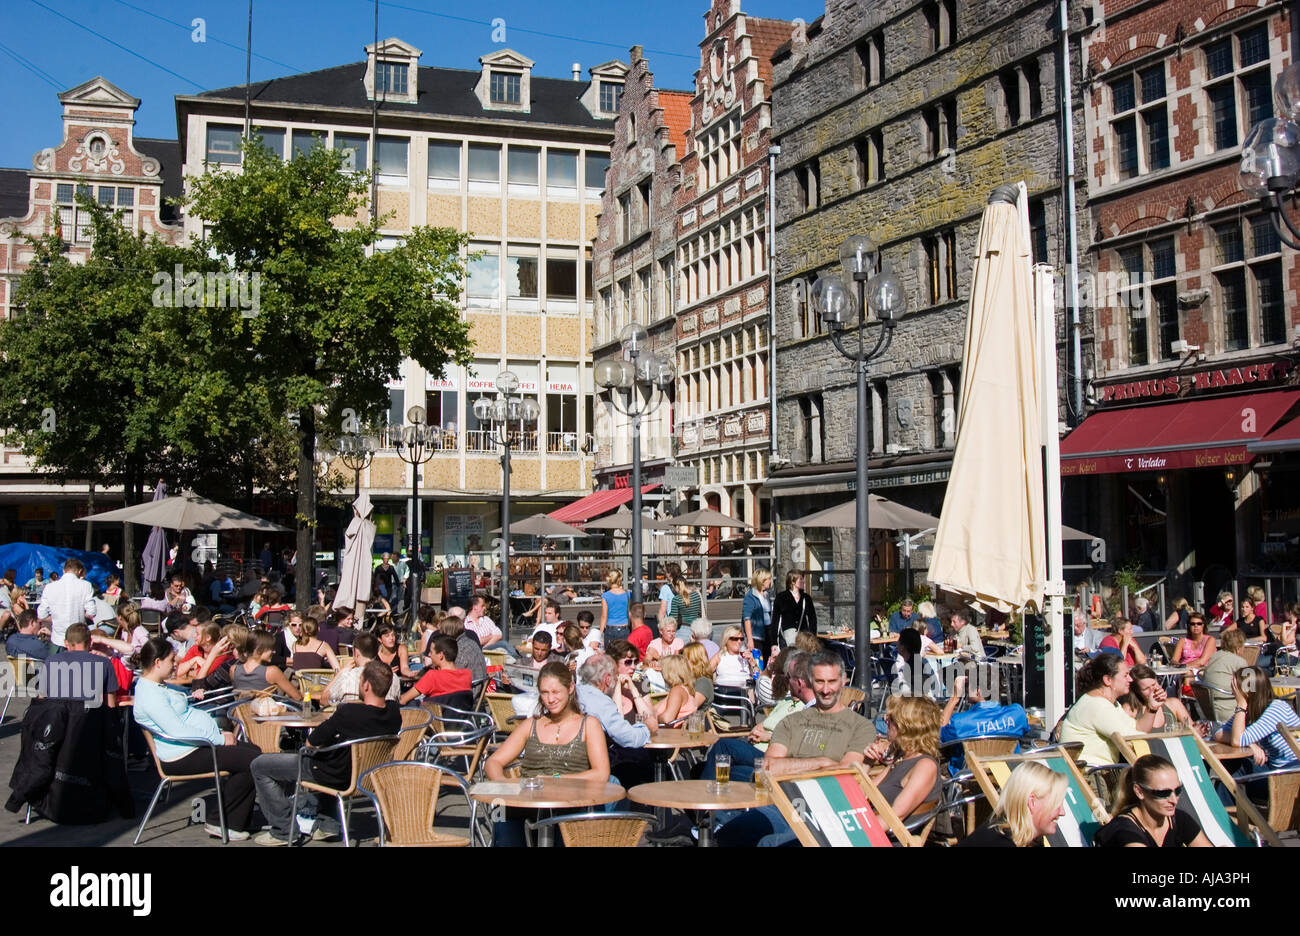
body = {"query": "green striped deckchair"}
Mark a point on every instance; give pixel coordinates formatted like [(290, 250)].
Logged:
[(1084, 814), (1197, 769), (839, 807)]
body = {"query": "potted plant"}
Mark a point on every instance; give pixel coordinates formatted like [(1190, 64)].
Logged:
[(431, 593)]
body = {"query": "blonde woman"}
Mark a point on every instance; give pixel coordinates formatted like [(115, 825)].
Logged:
[(913, 748), (733, 666), (613, 608), (1258, 596), (1178, 617), (756, 612), (698, 657), (1031, 802), (681, 698)]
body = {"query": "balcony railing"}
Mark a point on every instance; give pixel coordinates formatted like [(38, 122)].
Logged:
[(443, 441), (484, 440)]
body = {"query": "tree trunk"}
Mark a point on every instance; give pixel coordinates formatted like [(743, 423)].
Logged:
[(304, 571), (129, 489)]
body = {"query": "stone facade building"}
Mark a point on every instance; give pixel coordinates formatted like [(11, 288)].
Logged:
[(896, 120), (100, 156), (1194, 298)]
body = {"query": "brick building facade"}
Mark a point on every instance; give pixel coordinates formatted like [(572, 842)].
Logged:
[(99, 155), (1194, 296), (897, 120), (633, 258)]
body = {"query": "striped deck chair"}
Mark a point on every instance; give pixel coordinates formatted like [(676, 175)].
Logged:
[(1197, 770), (1084, 814), (839, 807)]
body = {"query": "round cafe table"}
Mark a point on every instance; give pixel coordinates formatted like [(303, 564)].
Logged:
[(295, 720), (556, 793), (1226, 752), (695, 795), (662, 746)]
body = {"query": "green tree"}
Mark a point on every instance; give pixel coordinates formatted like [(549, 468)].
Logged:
[(105, 383), (336, 317)]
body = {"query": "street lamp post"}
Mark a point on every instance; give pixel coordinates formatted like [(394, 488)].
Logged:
[(883, 294), (357, 452), (415, 447), (1270, 156), (647, 371), (508, 410)]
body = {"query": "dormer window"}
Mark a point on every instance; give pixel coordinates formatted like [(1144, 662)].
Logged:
[(505, 88), (610, 94), (504, 82), (392, 71), (390, 77)]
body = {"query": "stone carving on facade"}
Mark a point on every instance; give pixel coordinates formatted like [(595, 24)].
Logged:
[(719, 84), (44, 160), (97, 153), (732, 428), (757, 422)]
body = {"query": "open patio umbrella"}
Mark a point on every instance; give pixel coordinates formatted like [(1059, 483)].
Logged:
[(885, 515), (542, 525), (990, 546), (621, 519), (187, 511), (1070, 533), (155, 550), (706, 518)]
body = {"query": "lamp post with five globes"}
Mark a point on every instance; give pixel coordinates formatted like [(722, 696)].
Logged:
[(883, 294), (647, 371), (357, 452), (508, 411), (1270, 155)]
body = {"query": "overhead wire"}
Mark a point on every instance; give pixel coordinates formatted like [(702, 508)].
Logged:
[(33, 68)]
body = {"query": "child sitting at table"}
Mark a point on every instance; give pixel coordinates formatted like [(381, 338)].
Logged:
[(441, 682)]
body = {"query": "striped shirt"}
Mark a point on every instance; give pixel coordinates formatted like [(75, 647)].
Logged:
[(1264, 733)]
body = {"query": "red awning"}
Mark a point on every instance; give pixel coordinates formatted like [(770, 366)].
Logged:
[(1209, 433), (1285, 438), (596, 504)]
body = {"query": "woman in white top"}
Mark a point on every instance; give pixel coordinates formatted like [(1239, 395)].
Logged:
[(732, 665)]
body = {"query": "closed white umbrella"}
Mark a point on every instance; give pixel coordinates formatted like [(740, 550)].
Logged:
[(356, 568), (990, 546), (155, 550)]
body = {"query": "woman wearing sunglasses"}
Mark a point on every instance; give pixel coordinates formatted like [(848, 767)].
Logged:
[(1147, 814)]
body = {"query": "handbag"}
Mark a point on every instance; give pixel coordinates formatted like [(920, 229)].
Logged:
[(790, 634)]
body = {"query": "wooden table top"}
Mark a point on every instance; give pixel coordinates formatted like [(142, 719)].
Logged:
[(1227, 751), (680, 738), (556, 793), (695, 794)]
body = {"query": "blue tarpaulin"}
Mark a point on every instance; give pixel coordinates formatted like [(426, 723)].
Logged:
[(25, 557)]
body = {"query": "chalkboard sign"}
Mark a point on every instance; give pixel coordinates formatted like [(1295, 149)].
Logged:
[(458, 588), (1035, 652)]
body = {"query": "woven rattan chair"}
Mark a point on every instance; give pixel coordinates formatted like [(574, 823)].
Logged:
[(415, 725), (500, 706), (405, 794), (313, 680), (599, 829), (165, 780), (366, 753), (1250, 653), (266, 735), (854, 698), (23, 668)]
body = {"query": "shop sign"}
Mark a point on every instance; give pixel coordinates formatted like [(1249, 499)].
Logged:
[(1175, 385)]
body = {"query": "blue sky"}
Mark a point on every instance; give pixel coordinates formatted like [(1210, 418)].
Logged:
[(147, 47)]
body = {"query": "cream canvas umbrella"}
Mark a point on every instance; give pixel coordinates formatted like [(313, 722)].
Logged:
[(357, 568), (542, 525), (186, 512), (990, 546), (706, 518), (885, 515)]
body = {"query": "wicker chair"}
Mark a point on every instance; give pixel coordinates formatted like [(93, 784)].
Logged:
[(366, 753), (405, 794), (165, 781), (313, 680), (599, 829), (1250, 653), (500, 706), (415, 724), (854, 698), (23, 668), (264, 734), (1205, 694)]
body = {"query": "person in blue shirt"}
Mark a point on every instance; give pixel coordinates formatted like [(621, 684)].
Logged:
[(903, 618), (27, 642), (981, 718)]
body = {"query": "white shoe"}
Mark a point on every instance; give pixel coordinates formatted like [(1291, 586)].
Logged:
[(215, 832)]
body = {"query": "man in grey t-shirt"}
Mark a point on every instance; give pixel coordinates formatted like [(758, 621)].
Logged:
[(1219, 671)]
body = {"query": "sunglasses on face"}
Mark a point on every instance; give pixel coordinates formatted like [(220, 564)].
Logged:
[(1162, 794), (730, 639)]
